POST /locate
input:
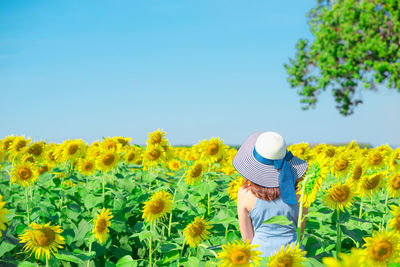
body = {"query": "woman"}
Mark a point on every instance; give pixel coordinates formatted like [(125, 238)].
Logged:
[(271, 176)]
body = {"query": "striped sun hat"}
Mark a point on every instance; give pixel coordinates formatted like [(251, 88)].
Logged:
[(255, 160)]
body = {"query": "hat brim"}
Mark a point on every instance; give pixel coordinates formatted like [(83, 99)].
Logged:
[(259, 173)]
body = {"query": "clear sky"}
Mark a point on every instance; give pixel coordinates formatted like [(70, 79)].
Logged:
[(197, 69)]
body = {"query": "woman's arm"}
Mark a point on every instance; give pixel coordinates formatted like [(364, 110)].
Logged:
[(245, 223)]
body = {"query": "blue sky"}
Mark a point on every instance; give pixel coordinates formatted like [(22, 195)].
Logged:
[(197, 69)]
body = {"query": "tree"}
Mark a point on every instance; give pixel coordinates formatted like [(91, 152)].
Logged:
[(356, 48)]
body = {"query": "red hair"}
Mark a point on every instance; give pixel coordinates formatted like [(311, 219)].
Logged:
[(266, 193)]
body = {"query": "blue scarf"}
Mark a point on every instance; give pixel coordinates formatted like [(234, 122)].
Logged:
[(286, 177)]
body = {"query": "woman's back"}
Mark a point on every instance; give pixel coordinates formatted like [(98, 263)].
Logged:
[(271, 237)]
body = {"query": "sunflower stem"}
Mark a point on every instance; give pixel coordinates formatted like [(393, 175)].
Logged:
[(104, 198), (90, 249), (300, 218), (47, 262), (386, 209), (361, 207), (151, 232), (173, 199), (338, 235), (27, 206)]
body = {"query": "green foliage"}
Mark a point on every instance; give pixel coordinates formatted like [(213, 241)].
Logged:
[(356, 47)]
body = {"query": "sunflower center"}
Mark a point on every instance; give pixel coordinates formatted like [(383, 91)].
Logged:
[(30, 159), (197, 229), (341, 193), (212, 149), (285, 261), (154, 154), (157, 206), (72, 149), (24, 173), (36, 150), (382, 250), (51, 156), (108, 159), (44, 237), (357, 172), (330, 152), (240, 257), (111, 145), (20, 145), (6, 145), (157, 138), (43, 169), (396, 182), (101, 225), (87, 166), (372, 182), (131, 156), (196, 171), (376, 159), (175, 164), (342, 164)]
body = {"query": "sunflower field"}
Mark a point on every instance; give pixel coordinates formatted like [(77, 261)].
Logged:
[(113, 203)]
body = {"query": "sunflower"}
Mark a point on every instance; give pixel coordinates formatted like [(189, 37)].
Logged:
[(18, 145), (42, 168), (153, 155), (5, 144), (36, 150), (157, 138), (301, 150), (43, 239), (3, 155), (382, 248), (50, 155), (174, 165), (107, 160), (73, 149), (101, 224), (394, 223), (131, 154), (239, 254), (357, 172), (123, 141), (288, 256), (109, 144), (197, 231), (339, 196), (87, 166), (395, 160), (394, 184), (347, 260), (194, 174), (369, 184), (234, 187), (211, 150), (376, 158), (312, 180), (24, 174), (3, 218), (157, 207), (341, 164)]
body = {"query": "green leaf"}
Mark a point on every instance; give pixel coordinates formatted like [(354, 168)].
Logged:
[(311, 262), (126, 261), (5, 247), (27, 264), (144, 235), (91, 201), (170, 256), (280, 219), (69, 257)]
